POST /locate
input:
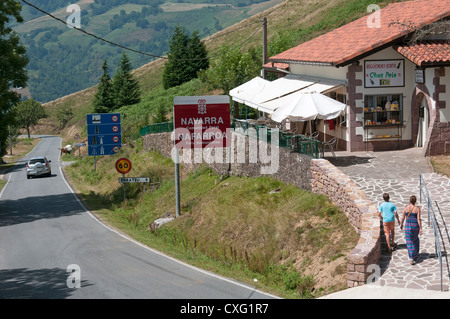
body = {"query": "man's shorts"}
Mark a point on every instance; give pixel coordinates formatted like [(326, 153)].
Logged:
[(388, 227)]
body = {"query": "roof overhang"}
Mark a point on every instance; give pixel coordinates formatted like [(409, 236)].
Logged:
[(316, 63), (427, 53)]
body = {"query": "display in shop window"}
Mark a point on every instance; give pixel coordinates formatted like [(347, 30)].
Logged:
[(383, 110)]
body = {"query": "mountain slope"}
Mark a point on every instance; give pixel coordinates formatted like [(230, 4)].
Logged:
[(64, 60)]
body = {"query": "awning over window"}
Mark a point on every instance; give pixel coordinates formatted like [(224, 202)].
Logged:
[(267, 96)]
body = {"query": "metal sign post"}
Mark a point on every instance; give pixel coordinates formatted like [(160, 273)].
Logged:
[(124, 191), (177, 184)]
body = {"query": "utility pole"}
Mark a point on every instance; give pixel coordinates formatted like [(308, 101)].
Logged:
[(10, 141), (264, 59), (177, 174)]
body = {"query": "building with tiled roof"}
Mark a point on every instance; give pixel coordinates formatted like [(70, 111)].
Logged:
[(397, 85), (364, 36)]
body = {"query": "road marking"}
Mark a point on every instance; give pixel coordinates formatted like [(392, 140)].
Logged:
[(3, 189)]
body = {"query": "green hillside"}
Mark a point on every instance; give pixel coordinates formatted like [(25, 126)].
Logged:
[(64, 61)]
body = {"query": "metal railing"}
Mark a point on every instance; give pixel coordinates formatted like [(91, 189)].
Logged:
[(157, 128), (296, 142), (438, 238)]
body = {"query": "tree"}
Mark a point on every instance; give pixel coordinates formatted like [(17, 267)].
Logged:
[(64, 115), (103, 99), (13, 61), (160, 115), (126, 89), (232, 68), (187, 56), (28, 113), (198, 55)]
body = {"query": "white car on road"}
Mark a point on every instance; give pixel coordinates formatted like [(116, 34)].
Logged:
[(38, 166)]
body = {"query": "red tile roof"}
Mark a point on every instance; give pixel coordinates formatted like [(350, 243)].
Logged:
[(426, 52), (280, 66), (355, 40)]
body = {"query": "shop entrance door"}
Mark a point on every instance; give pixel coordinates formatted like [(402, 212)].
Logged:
[(423, 123)]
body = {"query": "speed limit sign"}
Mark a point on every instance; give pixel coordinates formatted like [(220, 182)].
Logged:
[(123, 165)]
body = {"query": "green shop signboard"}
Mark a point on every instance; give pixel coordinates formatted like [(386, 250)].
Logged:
[(384, 73)]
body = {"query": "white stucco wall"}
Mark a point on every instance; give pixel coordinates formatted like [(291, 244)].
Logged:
[(327, 72), (405, 91)]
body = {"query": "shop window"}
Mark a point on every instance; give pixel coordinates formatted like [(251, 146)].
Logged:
[(383, 110)]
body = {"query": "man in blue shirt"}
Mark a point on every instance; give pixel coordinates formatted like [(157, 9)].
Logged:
[(387, 213)]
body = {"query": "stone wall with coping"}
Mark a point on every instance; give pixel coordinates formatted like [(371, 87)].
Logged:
[(361, 212), (315, 175)]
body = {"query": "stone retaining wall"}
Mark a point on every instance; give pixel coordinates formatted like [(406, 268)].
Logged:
[(316, 175), (361, 212)]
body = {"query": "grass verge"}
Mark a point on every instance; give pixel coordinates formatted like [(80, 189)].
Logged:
[(441, 164)]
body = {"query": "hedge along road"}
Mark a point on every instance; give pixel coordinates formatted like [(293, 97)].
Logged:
[(52, 247)]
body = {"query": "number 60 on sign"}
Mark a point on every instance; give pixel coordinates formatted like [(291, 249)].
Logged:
[(123, 165)]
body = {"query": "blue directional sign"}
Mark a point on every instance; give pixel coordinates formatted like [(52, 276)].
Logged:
[(97, 150), (104, 133), (96, 129), (112, 139), (103, 118)]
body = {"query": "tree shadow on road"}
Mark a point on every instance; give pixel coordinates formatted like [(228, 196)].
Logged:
[(34, 208), (23, 283)]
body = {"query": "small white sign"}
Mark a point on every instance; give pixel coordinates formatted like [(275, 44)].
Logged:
[(134, 180), (420, 76)]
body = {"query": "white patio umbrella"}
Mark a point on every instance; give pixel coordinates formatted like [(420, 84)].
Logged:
[(306, 106), (249, 90)]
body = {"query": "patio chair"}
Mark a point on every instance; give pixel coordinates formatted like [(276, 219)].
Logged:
[(329, 146), (315, 135)]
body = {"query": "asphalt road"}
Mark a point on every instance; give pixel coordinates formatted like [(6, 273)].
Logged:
[(51, 247)]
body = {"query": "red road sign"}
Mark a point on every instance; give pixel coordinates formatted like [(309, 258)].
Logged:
[(202, 121), (123, 165)]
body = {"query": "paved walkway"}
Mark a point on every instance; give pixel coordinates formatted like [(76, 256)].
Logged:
[(397, 173)]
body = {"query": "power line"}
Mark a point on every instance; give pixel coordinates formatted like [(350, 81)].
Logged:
[(239, 45), (222, 34), (93, 35), (137, 51)]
